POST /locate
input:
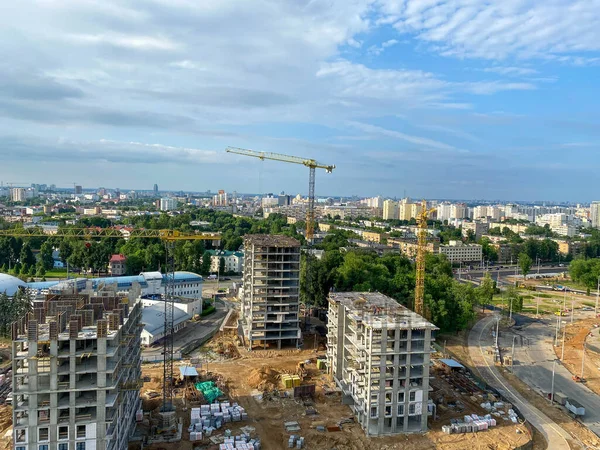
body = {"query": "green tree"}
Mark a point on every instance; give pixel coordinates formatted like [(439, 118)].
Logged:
[(41, 271), (221, 265), (32, 270), (513, 298), (4, 269), (485, 290), (46, 255), (205, 267), (525, 263), (26, 257)]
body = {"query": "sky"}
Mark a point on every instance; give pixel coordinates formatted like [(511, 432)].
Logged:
[(470, 99)]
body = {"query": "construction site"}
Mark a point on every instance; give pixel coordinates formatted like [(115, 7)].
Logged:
[(264, 379)]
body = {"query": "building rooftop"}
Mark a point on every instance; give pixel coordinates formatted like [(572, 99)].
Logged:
[(118, 258), (271, 240), (153, 318), (376, 310)]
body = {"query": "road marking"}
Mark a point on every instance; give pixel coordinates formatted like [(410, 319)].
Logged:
[(532, 409)]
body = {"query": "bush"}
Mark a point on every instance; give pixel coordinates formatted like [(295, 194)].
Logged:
[(205, 312)]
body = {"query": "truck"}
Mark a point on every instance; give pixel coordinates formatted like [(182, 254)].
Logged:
[(575, 407)]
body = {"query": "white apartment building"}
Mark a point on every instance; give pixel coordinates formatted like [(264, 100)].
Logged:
[(595, 214), (234, 261), (18, 195), (378, 353), (443, 211), (458, 211), (456, 251), (168, 204)]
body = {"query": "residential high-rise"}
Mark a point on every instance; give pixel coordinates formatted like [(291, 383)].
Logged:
[(378, 352), (17, 195), (595, 214), (76, 368), (168, 204), (390, 210), (78, 190), (155, 189), (271, 290)]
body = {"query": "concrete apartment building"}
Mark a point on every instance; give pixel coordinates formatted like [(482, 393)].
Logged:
[(595, 214), (478, 229), (378, 352), (458, 252), (271, 290), (76, 367), (168, 204), (410, 247), (390, 210)]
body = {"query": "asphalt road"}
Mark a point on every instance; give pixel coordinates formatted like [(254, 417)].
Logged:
[(533, 363), (480, 340), (193, 330)]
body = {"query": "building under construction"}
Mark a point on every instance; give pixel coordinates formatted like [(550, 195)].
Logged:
[(378, 352), (271, 290), (76, 370)]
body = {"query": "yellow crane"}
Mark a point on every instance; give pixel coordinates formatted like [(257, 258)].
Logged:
[(167, 236), (310, 163), (421, 251), (96, 232)]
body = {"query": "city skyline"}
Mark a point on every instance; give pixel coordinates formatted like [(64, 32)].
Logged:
[(442, 99)]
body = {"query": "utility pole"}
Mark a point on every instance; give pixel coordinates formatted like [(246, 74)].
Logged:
[(512, 358), (597, 296), (510, 313), (497, 330), (583, 360), (552, 389), (557, 328), (562, 353)]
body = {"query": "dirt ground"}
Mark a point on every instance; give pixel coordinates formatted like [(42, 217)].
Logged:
[(456, 346), (249, 378), (574, 339)]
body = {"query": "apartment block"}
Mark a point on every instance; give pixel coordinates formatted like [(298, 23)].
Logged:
[(271, 291), (410, 247), (379, 353), (477, 228), (390, 209), (76, 368), (458, 252)]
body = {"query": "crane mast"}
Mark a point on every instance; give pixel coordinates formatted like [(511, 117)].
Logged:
[(421, 251)]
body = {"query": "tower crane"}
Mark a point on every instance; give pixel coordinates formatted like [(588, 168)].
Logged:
[(169, 237), (310, 163), (421, 250)]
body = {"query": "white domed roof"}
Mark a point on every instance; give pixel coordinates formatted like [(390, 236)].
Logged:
[(10, 284)]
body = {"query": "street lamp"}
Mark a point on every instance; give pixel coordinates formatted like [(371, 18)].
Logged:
[(512, 358), (597, 295), (583, 360), (552, 389)]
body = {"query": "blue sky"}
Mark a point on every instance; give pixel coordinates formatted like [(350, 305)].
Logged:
[(441, 98)]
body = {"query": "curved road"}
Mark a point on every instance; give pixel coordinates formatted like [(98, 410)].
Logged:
[(480, 335)]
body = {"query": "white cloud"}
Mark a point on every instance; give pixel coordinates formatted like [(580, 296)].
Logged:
[(497, 29), (126, 41), (511, 71), (417, 140), (377, 50)]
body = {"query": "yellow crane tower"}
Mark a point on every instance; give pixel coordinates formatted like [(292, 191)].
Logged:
[(169, 237), (421, 250), (310, 163)]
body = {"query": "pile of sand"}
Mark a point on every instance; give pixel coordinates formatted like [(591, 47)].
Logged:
[(264, 378)]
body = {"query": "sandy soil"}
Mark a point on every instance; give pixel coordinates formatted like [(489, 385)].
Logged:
[(242, 381), (575, 337)]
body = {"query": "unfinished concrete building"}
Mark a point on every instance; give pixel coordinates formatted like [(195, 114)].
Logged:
[(378, 352), (76, 370), (271, 289)]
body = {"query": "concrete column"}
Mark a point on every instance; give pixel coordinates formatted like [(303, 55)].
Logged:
[(426, 361)]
